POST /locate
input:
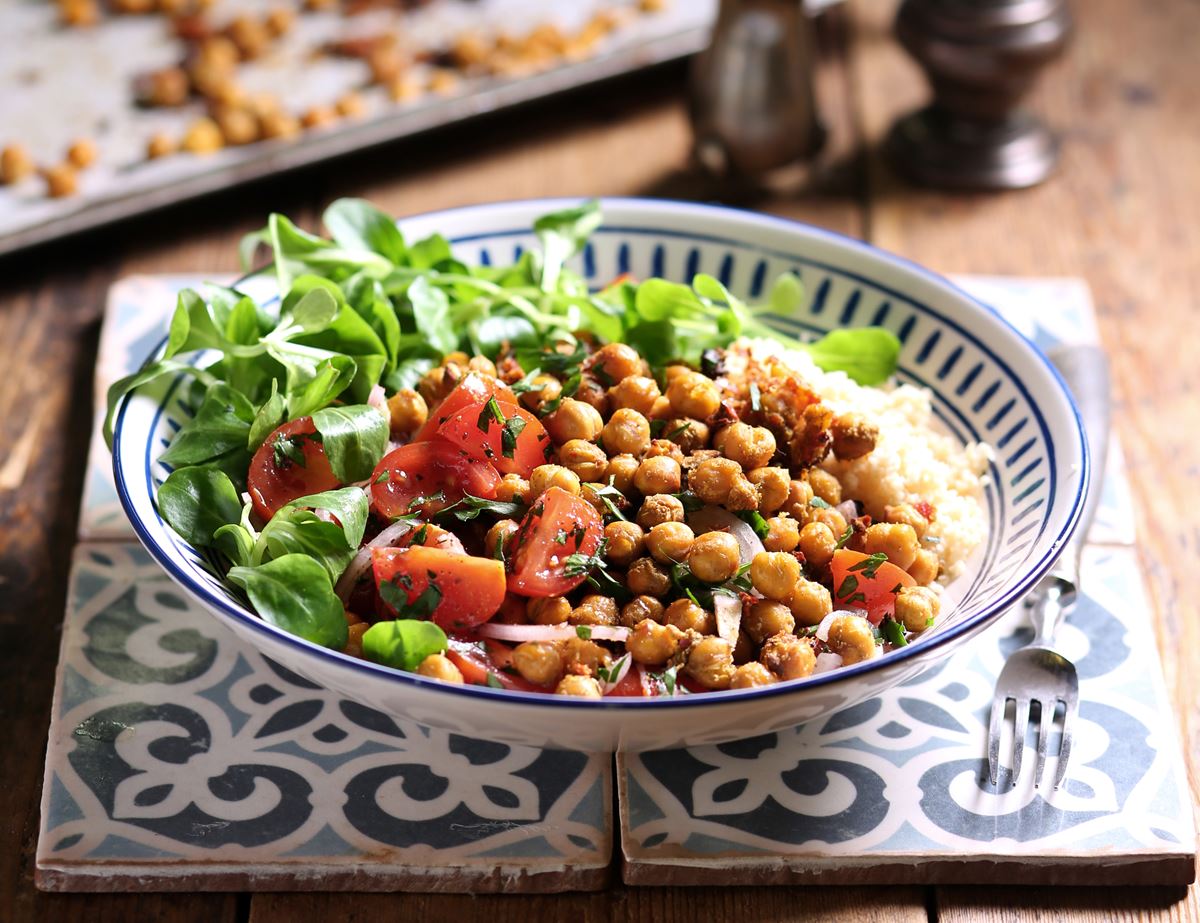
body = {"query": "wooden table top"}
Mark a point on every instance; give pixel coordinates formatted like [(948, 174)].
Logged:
[(1122, 213)]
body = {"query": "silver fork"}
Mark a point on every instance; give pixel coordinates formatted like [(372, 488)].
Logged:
[(1037, 675)]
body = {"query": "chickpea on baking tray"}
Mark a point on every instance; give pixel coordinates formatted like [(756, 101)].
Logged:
[(571, 518)]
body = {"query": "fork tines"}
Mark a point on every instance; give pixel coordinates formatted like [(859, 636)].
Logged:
[(1022, 708)]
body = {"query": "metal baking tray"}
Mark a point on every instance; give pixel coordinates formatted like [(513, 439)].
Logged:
[(58, 84)]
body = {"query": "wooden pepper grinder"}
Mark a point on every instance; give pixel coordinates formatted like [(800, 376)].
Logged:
[(982, 58)]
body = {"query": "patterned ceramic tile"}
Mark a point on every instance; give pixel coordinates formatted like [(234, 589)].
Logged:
[(895, 789), (179, 758)]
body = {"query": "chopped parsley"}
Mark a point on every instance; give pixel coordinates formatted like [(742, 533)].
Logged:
[(384, 476), (395, 593), (286, 451), (513, 427), (869, 566), (527, 383), (849, 592), (491, 411), (583, 632), (818, 504), (667, 680), (841, 542), (679, 430), (494, 681), (469, 507), (893, 631), (421, 534), (690, 501), (610, 673), (611, 498), (754, 519)]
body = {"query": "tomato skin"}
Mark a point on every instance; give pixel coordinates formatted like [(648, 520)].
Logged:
[(271, 486), (472, 588), (634, 684), (475, 665), (473, 389), (538, 558), (421, 469), (878, 593), (462, 431)]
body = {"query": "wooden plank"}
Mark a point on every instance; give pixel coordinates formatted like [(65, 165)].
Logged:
[(1120, 213), (662, 905)]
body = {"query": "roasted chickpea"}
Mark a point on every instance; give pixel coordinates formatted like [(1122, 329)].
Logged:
[(917, 607), (832, 519), (350, 105), (250, 35), (714, 557), (658, 475), (585, 687), (714, 478), (82, 153), (318, 117), (586, 459), (482, 365), (817, 544), (626, 542), (409, 411), (203, 136), (637, 392), (658, 509), (61, 180), (852, 638), (787, 656), (279, 21), (513, 489), (664, 448), (545, 388), (897, 540), (539, 662), (909, 514), (671, 372), (592, 392), (752, 674), (783, 533), (774, 485), (15, 164), (775, 574), (621, 469), (853, 436), (693, 395), (617, 361), (546, 476), (439, 666), (574, 420), (797, 505), (548, 610), (765, 618), (594, 609), (710, 663), (749, 446), (583, 656), (669, 542), (238, 125), (626, 432), (924, 568), (825, 486), (641, 608), (810, 602), (652, 643), (660, 409), (647, 578), (159, 145), (498, 535), (687, 616), (278, 124), (689, 435)]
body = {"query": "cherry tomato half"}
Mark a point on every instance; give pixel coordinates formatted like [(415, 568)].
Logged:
[(289, 464), (864, 582), (473, 389), (557, 526), (511, 447), (434, 470), (458, 591)]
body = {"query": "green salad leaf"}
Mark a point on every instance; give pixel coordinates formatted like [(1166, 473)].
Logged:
[(355, 439), (197, 501), (295, 593), (404, 643)]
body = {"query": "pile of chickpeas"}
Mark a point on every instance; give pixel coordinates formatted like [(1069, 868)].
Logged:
[(685, 437)]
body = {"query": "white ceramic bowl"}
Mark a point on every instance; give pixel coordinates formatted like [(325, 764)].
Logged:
[(988, 383)]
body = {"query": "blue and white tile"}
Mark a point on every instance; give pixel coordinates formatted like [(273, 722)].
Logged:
[(177, 754), (901, 780)]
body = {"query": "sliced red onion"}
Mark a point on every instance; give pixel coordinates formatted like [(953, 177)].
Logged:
[(378, 399), (521, 633), (728, 610), (716, 519), (362, 560), (826, 662), (848, 509), (622, 666)]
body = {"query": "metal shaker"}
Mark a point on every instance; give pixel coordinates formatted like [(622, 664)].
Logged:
[(752, 100)]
